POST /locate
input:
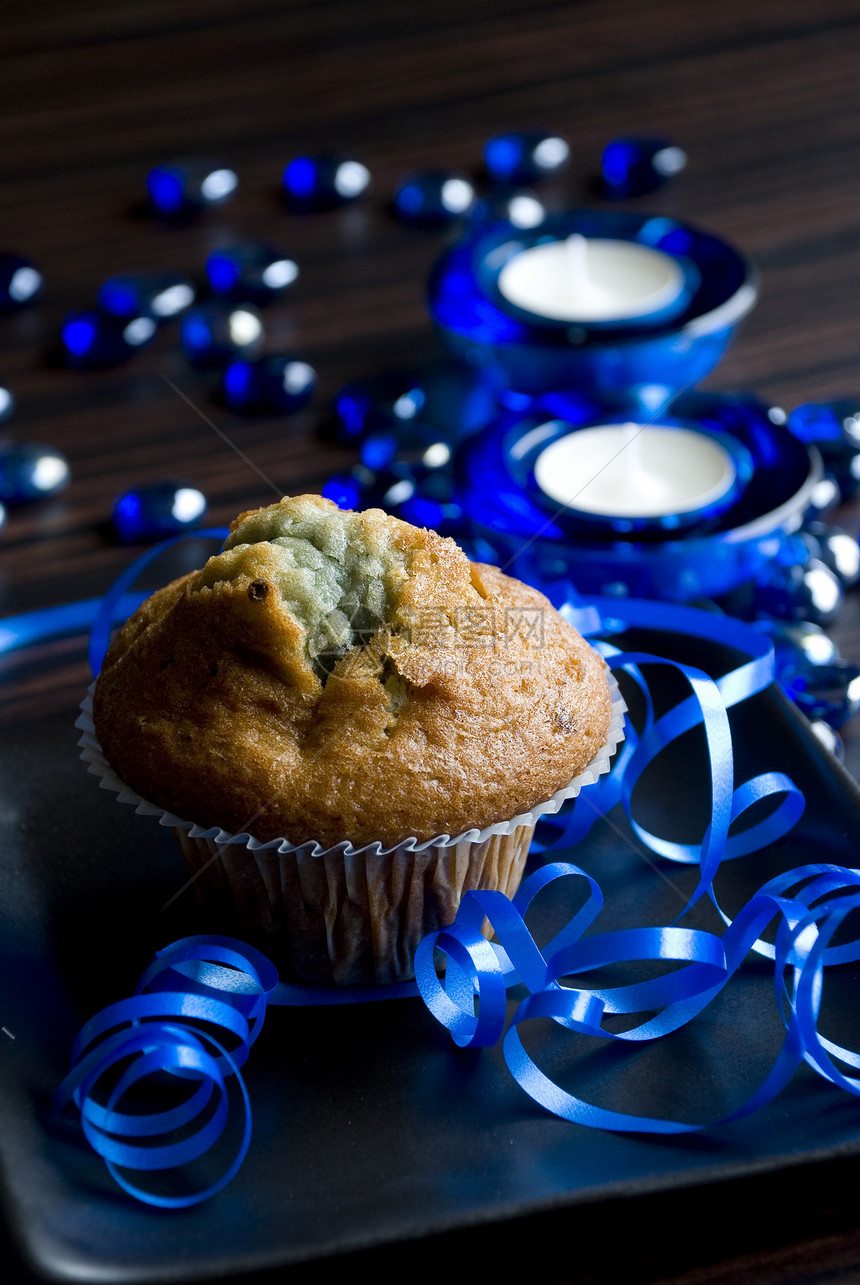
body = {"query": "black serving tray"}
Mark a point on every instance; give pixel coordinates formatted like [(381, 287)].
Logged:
[(376, 1142)]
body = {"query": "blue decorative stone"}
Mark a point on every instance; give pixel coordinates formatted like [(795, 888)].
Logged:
[(524, 157), (387, 399), (836, 549), (417, 449), (633, 166), (434, 197), (824, 496), (450, 400), (829, 738), (344, 490), (183, 187), (93, 339), (271, 383), (162, 295), (255, 272), (20, 282), (31, 471), (798, 644), (522, 209), (7, 403), (215, 332), (323, 182), (833, 428), (830, 693), (157, 510), (2, 517), (808, 592)]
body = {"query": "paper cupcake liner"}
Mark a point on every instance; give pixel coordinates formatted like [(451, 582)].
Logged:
[(344, 915)]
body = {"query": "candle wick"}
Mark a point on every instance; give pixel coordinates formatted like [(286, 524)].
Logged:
[(579, 272)]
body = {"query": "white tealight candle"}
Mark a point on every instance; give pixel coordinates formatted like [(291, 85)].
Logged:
[(635, 471), (586, 279)]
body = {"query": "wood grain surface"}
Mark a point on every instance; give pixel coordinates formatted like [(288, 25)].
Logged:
[(762, 95)]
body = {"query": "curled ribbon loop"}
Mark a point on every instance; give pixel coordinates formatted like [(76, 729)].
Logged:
[(193, 989), (808, 915), (708, 707)]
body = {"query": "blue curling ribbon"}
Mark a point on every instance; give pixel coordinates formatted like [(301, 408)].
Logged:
[(194, 987), (707, 706), (807, 914)]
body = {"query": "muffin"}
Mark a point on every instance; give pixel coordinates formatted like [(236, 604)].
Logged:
[(355, 720)]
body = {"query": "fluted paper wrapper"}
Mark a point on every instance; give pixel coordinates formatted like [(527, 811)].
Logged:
[(346, 916)]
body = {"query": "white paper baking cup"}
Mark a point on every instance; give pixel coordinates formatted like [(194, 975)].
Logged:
[(343, 915)]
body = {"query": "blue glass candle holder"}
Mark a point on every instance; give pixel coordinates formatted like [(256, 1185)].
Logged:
[(681, 558), (664, 347)]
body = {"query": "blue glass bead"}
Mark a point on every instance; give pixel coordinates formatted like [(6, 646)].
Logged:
[(415, 448), (255, 272), (215, 332), (450, 400), (524, 157), (378, 449), (827, 692), (157, 510), (185, 186), (162, 295), (800, 592), (634, 166), (836, 549), (836, 421), (270, 383), (422, 511), (834, 429), (343, 490), (433, 197), (2, 517), (798, 643), (521, 209), (322, 182), (93, 339), (825, 496), (367, 403), (20, 282), (829, 738), (7, 403), (31, 471)]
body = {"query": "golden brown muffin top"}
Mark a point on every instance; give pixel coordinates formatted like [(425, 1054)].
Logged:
[(337, 676)]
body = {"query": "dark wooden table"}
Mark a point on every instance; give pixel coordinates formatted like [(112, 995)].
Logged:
[(762, 96)]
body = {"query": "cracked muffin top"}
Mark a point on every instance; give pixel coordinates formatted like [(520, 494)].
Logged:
[(336, 676)]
